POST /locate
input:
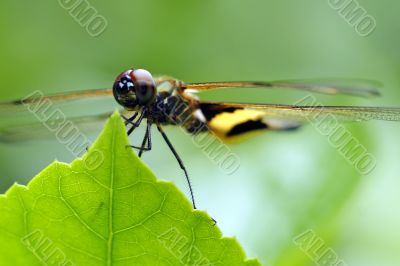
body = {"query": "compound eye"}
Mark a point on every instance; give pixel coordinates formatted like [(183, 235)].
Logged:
[(145, 86), (125, 85), (124, 90), (145, 92)]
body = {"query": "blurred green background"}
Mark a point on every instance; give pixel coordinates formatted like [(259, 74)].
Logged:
[(287, 183)]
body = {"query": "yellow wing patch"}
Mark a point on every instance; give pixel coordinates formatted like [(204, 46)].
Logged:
[(234, 125), (224, 123)]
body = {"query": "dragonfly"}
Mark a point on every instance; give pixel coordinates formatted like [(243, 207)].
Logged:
[(164, 100)]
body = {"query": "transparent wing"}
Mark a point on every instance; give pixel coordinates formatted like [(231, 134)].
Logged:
[(355, 87), (62, 97), (39, 116), (48, 129), (234, 121), (306, 113)]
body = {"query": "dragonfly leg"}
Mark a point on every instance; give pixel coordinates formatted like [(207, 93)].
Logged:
[(146, 139), (130, 120), (179, 161), (137, 123)]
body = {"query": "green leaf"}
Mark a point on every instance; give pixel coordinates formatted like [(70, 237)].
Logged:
[(108, 209)]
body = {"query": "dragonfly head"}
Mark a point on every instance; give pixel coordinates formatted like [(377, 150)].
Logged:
[(134, 88)]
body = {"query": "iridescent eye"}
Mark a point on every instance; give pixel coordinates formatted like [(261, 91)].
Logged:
[(134, 87), (124, 90), (145, 92), (125, 84)]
